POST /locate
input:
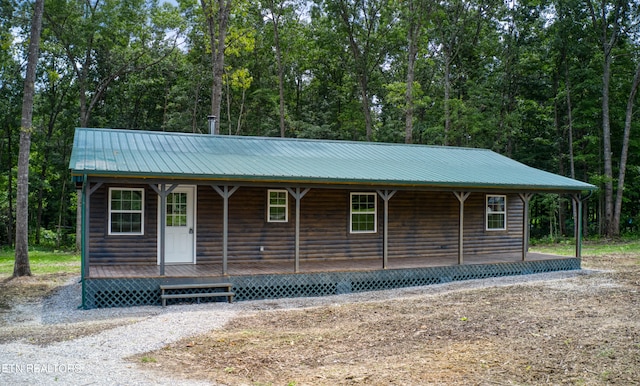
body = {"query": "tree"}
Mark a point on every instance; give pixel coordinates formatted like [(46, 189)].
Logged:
[(365, 25), (275, 14), (104, 41), (625, 151), (415, 14), (11, 91), (216, 13), (606, 23), (21, 267), (454, 23)]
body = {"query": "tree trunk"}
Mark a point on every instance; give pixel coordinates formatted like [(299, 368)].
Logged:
[(194, 111), (83, 74), (228, 97), (21, 267), (447, 97), (244, 94), (607, 41), (217, 37), (10, 191), (366, 109), (624, 153), (413, 34), (560, 131), (61, 208), (606, 145), (572, 164), (43, 175), (275, 19), (223, 26), (362, 67)]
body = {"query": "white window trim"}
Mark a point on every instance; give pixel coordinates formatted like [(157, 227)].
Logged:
[(285, 206), (141, 211), (375, 212), (486, 217)]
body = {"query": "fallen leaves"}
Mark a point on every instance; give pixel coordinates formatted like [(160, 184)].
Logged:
[(584, 330)]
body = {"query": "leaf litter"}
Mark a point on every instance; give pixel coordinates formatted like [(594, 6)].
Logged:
[(580, 330)]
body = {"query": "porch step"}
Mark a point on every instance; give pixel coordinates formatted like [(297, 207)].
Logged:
[(173, 288)]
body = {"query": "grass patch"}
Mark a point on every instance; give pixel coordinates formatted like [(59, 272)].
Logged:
[(42, 262), (589, 247)]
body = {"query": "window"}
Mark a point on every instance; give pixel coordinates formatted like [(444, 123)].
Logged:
[(126, 211), (496, 213), (278, 205), (177, 209), (363, 212)]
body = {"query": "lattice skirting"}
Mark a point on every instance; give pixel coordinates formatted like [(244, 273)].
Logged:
[(123, 292)]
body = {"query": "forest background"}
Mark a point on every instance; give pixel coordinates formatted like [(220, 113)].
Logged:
[(551, 84)]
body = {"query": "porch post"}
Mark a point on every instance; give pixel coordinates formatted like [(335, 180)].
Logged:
[(163, 224), (163, 192), (577, 226), (525, 197), (225, 193), (386, 196), (298, 195), (462, 197), (85, 229)]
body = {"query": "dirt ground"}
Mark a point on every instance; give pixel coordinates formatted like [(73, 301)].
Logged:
[(579, 331), (21, 302)]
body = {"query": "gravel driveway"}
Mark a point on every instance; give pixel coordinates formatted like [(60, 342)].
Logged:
[(99, 359)]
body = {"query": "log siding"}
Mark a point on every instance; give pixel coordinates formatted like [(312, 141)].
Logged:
[(122, 249), (421, 224)]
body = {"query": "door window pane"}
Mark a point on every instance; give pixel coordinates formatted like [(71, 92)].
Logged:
[(177, 209)]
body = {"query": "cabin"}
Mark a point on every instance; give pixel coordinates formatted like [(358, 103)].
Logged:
[(173, 215)]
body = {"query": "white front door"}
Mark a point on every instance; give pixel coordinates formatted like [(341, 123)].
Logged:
[(180, 229)]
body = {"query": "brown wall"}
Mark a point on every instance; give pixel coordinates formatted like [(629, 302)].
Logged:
[(248, 227), (420, 224), (105, 248)]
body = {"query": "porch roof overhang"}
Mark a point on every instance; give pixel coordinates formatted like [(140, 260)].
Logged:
[(147, 155)]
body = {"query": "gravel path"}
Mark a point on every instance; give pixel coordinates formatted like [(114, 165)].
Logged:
[(99, 359)]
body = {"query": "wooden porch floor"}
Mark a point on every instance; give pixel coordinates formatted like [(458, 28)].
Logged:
[(287, 267)]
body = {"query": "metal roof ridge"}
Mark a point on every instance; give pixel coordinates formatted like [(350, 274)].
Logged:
[(288, 139)]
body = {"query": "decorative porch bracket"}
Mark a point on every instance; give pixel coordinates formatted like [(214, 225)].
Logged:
[(525, 197), (298, 194), (163, 192), (225, 193), (386, 196), (86, 224), (462, 197), (577, 229)]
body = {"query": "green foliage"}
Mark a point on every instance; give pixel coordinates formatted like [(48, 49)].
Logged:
[(520, 74)]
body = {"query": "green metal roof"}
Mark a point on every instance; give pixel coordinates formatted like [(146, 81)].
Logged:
[(150, 154)]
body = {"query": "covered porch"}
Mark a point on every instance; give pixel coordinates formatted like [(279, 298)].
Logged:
[(120, 286), (214, 270)]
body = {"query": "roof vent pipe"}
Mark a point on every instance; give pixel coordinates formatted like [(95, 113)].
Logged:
[(212, 123)]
